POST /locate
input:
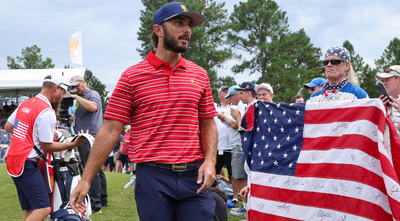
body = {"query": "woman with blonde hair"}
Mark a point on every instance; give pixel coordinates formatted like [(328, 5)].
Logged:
[(341, 83)]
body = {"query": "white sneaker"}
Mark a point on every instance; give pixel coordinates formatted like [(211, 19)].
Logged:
[(130, 183), (240, 212)]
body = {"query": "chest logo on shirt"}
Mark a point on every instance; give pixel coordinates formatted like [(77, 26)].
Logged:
[(192, 80)]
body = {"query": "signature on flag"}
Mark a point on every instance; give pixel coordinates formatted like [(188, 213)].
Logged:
[(320, 161)]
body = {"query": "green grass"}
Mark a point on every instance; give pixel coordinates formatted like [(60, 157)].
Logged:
[(121, 202)]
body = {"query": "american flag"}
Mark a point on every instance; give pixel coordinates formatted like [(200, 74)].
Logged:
[(321, 161), (20, 129)]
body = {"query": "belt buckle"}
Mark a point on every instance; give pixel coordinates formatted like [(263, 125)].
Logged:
[(179, 167)]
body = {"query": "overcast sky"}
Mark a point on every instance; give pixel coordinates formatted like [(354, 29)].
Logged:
[(109, 30)]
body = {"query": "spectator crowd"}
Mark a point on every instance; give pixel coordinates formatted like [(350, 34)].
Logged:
[(176, 143)]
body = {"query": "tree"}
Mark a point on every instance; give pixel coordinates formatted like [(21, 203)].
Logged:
[(30, 59), (390, 56), (364, 73), (357, 62), (284, 59), (95, 84), (206, 43), (368, 81)]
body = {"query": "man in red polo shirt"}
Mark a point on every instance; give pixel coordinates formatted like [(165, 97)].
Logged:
[(168, 102)]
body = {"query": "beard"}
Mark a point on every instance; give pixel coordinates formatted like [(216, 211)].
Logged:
[(171, 44), (56, 104)]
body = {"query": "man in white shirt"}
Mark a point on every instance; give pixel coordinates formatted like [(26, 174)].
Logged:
[(32, 126), (224, 147), (238, 175), (391, 81)]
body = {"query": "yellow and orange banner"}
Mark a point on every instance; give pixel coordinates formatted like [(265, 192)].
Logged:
[(75, 48)]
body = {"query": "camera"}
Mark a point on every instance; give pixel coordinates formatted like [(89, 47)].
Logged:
[(72, 90), (63, 111)]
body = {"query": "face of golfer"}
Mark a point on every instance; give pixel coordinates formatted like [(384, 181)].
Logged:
[(176, 34)]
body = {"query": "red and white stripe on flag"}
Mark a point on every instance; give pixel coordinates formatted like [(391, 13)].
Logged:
[(345, 169), (20, 129)]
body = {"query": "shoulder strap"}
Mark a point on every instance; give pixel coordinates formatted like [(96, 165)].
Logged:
[(40, 153)]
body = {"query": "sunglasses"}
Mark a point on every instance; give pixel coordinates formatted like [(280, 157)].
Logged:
[(311, 88), (387, 70), (333, 61)]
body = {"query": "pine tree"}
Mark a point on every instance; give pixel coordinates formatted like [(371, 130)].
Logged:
[(30, 59), (284, 59)]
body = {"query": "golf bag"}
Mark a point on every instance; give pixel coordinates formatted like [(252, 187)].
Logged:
[(66, 178)]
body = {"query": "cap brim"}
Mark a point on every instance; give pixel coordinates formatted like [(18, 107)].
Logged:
[(241, 89), (74, 83), (382, 76), (307, 86), (197, 19), (67, 95)]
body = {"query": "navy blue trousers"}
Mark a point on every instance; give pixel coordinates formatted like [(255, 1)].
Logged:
[(162, 194)]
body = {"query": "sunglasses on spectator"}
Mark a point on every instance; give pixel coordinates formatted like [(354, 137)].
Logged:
[(333, 61), (387, 70), (311, 88)]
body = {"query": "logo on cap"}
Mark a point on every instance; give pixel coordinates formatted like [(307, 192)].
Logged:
[(184, 8), (247, 86)]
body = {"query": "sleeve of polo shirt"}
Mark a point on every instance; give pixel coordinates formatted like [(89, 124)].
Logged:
[(46, 123), (95, 97), (11, 119), (120, 104), (206, 104)]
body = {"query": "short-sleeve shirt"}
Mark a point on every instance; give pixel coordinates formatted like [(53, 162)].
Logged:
[(116, 147), (396, 117), (43, 130), (124, 149), (86, 120), (234, 135), (222, 128), (5, 141), (348, 92), (164, 107)]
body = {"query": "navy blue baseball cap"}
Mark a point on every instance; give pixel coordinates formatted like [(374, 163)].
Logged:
[(246, 86), (174, 9), (315, 82)]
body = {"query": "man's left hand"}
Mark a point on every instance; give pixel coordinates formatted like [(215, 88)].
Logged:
[(206, 172)]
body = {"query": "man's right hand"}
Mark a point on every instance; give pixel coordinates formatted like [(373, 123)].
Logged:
[(77, 196)]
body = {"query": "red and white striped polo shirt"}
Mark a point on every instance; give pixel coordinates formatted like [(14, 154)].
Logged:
[(164, 107)]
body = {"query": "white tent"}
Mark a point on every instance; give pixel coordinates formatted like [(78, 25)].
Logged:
[(29, 81)]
